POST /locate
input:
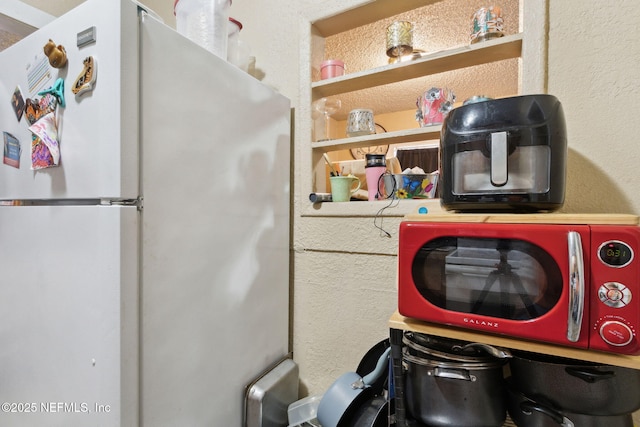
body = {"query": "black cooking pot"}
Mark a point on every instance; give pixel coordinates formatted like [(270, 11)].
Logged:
[(527, 412), (448, 393), (576, 386)]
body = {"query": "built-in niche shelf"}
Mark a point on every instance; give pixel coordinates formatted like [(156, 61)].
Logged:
[(524, 43), (507, 47)]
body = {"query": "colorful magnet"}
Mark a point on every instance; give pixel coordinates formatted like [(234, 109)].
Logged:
[(11, 150), (36, 108), (57, 54), (56, 90), (17, 101), (32, 111), (39, 74), (41, 157), (87, 78), (45, 149), (47, 104)]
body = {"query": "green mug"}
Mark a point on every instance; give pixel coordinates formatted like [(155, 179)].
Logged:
[(342, 187)]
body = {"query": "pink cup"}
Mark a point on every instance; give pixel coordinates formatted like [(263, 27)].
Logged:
[(375, 186), (374, 168), (331, 68)]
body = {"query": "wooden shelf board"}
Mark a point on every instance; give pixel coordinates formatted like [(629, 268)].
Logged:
[(507, 47), (371, 11), (397, 321), (387, 138)]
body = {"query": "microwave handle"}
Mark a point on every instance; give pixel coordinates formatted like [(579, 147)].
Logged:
[(576, 286)]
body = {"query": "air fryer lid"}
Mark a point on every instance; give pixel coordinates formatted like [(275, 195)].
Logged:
[(504, 147), (518, 113)]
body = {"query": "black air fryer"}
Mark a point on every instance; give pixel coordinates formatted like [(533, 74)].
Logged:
[(505, 154)]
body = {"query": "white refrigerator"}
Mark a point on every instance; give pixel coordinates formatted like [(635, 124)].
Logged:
[(144, 279)]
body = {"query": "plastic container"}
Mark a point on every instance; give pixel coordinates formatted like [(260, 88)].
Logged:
[(303, 412), (204, 22), (238, 52), (331, 68), (233, 39)]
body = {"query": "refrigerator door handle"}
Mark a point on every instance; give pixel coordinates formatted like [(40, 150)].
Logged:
[(144, 11), (123, 202)]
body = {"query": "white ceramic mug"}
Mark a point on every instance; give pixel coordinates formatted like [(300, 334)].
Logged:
[(342, 187)]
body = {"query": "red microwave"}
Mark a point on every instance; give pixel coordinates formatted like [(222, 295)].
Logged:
[(567, 279)]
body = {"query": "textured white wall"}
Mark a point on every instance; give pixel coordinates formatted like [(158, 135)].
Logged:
[(344, 272), (594, 57)]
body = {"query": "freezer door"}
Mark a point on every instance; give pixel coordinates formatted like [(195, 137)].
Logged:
[(97, 130), (68, 316)]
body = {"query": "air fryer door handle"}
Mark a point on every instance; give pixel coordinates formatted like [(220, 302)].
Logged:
[(576, 286), (499, 154)]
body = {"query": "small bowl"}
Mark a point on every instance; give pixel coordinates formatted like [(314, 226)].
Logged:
[(410, 186)]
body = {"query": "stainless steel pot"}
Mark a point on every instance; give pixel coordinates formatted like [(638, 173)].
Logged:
[(527, 412), (448, 393), (577, 386)]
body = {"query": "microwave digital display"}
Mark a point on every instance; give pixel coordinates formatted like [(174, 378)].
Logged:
[(615, 253)]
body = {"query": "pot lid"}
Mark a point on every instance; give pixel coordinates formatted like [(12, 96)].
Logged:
[(449, 364), (235, 21), (329, 62), (456, 350)]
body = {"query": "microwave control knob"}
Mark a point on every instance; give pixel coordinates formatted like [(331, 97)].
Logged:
[(616, 333), (614, 294)]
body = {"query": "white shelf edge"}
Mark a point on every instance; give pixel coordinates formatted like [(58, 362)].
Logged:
[(399, 208), (388, 138)]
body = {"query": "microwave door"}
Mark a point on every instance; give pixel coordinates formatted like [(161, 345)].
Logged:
[(576, 286), (502, 272)]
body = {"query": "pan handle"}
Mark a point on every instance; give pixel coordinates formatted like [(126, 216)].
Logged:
[(453, 374), (379, 369), (589, 375), (576, 286), (528, 408)]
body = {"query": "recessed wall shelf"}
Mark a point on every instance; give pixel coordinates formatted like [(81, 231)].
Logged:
[(507, 47)]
